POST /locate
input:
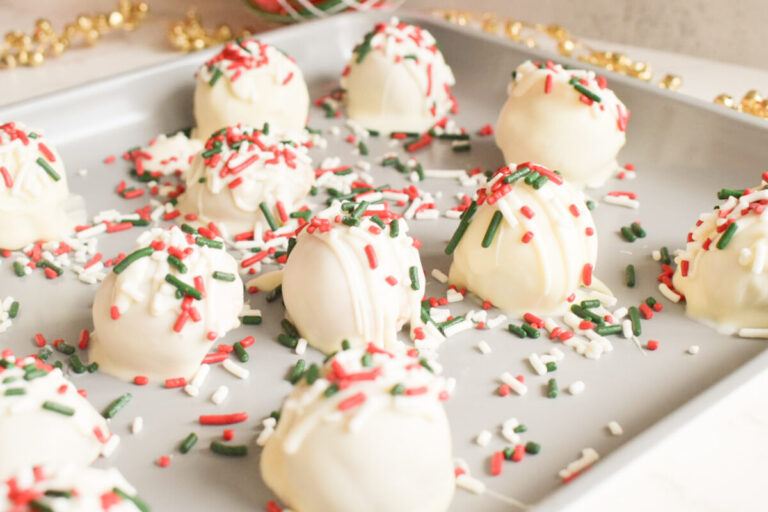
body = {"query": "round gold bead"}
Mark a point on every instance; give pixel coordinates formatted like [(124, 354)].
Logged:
[(671, 82), (224, 33), (557, 32), (198, 43), (115, 19), (724, 100), (43, 24), (70, 30), (23, 57), (58, 47), (566, 47), (92, 36), (491, 25), (9, 61), (36, 58), (530, 42), (84, 22), (512, 29)]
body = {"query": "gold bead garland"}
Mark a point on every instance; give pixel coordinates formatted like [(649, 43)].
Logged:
[(21, 49), (189, 34)]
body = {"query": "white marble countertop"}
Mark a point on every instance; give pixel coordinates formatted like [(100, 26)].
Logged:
[(717, 462)]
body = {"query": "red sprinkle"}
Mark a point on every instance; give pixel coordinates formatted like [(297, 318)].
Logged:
[(175, 383), (352, 401), (586, 274), (497, 463), (85, 339), (164, 461), (223, 419), (228, 435), (652, 345), (371, 253), (141, 380)]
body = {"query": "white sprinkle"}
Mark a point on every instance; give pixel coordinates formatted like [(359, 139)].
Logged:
[(439, 275), (110, 446), (191, 390), (199, 379), (622, 201), (693, 350), (516, 386), (445, 173), (496, 321), (439, 315), (428, 214), (588, 457), (626, 328), (557, 354), (576, 387), (452, 214), (220, 395), (667, 292), (264, 436), (453, 296), (615, 428), (483, 347), (620, 313), (235, 369), (82, 172), (301, 346), (137, 425), (747, 332), (656, 255), (96, 230), (483, 438), (457, 328), (536, 363), (468, 483)]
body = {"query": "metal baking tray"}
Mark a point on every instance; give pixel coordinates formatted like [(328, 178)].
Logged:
[(684, 151)]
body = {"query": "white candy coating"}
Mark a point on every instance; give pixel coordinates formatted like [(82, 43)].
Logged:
[(331, 293), (227, 187), (32, 435), (397, 80), (253, 83), (90, 489), (728, 286), (166, 155), (380, 452), (537, 276), (559, 130), (148, 338), (34, 205)]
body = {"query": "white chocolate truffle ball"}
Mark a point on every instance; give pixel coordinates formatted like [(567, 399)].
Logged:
[(353, 282), (542, 248), (160, 310), (253, 83), (565, 119), (243, 172), (397, 80), (43, 419), (69, 488), (723, 271), (381, 443), (166, 155), (35, 203)]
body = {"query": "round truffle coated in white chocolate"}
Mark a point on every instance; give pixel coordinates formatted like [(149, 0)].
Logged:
[(32, 432), (253, 83), (355, 283), (166, 155), (69, 488), (239, 171), (565, 119), (381, 443), (145, 326), (35, 203), (544, 248), (723, 270), (397, 80)]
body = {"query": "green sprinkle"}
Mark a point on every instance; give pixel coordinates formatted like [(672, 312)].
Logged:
[(627, 234), (134, 499), (455, 320), (420, 171), (414, 275), (629, 276), (540, 181), (265, 129), (223, 276), (586, 92), (184, 287), (312, 374), (605, 330), (48, 169), (665, 258), (275, 294), (389, 161), (362, 148), (297, 372), (177, 264), (117, 405), (188, 229), (377, 220), (397, 389), (213, 244), (56, 407), (77, 365), (15, 392), (93, 367), (50, 265), (518, 331), (466, 217), (19, 268), (551, 366), (239, 450), (360, 209), (725, 193), (39, 506), (493, 226), (531, 178), (516, 175), (532, 448), (587, 314), (587, 304), (423, 362), (35, 374), (141, 253), (65, 348), (268, 216), (211, 152), (520, 429), (345, 345), (188, 443), (634, 316), (53, 493), (394, 228), (44, 353), (287, 341), (13, 311), (460, 147), (215, 77), (727, 235), (552, 389), (240, 352), (591, 205), (638, 230), (251, 320), (367, 359), (331, 390), (530, 330), (289, 328)]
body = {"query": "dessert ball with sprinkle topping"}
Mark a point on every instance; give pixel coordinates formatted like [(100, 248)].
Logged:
[(35, 203), (253, 83), (69, 488), (367, 431), (566, 119), (397, 80), (723, 270), (526, 243), (43, 419), (354, 274), (162, 307), (244, 178)]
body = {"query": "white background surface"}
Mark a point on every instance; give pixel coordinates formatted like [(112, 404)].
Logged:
[(715, 463)]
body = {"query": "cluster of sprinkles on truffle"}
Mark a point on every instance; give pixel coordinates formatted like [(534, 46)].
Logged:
[(242, 60), (588, 88), (356, 382), (37, 169), (165, 155), (69, 489), (29, 384), (415, 48)]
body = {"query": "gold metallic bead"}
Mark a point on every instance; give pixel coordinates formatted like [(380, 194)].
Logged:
[(36, 58), (724, 100), (671, 82), (71, 30), (9, 61), (92, 36), (512, 29), (58, 47), (198, 44), (491, 26), (530, 42), (557, 32), (566, 47), (23, 57), (141, 8), (84, 22), (224, 33), (115, 19)]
